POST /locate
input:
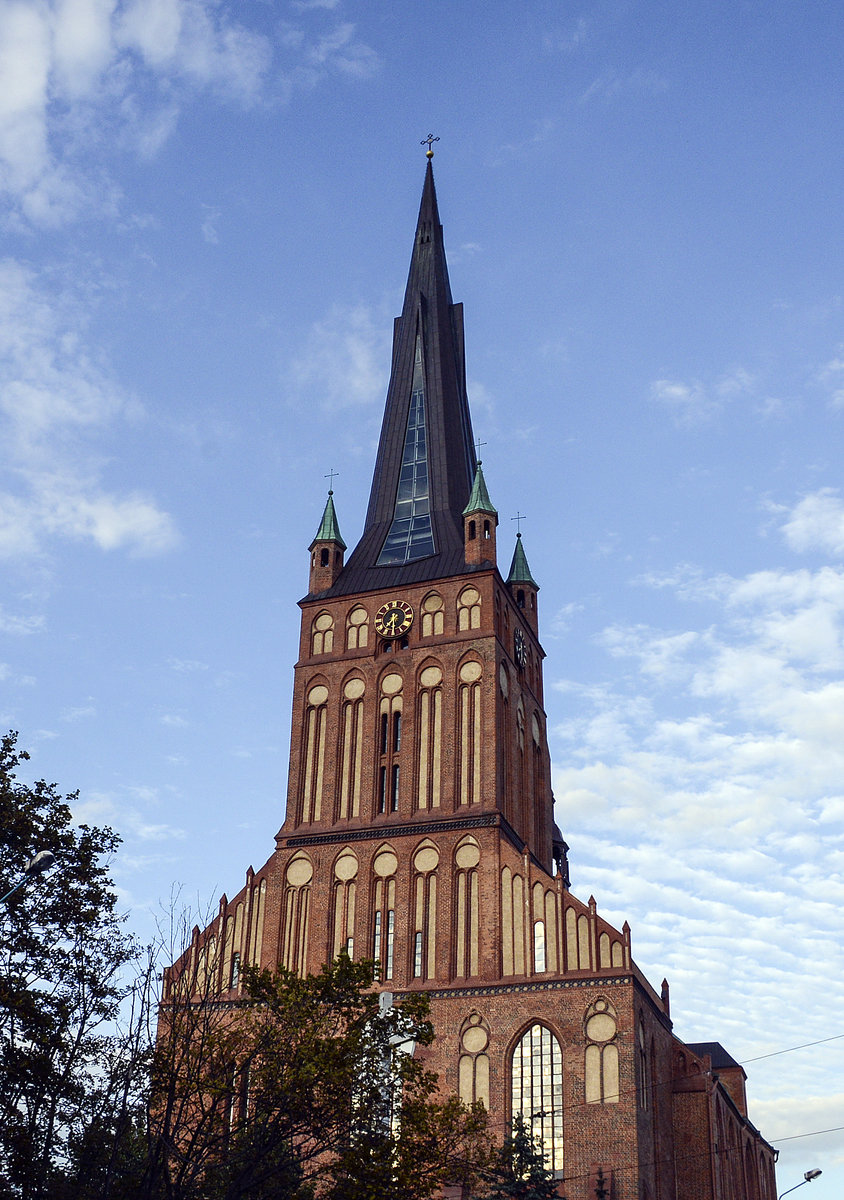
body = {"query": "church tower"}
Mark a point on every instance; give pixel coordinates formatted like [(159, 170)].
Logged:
[(419, 829)]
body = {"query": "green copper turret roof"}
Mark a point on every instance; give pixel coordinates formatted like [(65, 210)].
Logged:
[(519, 569), (329, 529), (479, 500)]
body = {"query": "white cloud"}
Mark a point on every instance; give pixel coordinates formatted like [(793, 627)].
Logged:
[(343, 360), (692, 404), (611, 84), (705, 783), (688, 403), (817, 523), (54, 400), (186, 666), (16, 624), (81, 74)]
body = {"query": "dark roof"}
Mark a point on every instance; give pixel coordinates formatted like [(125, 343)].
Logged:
[(721, 1060), (329, 528), (428, 309)]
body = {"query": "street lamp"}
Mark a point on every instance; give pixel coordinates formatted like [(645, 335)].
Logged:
[(37, 865), (808, 1176)]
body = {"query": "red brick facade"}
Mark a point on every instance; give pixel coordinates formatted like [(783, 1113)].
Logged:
[(419, 832)]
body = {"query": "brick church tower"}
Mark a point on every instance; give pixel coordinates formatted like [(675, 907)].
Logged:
[(419, 829)]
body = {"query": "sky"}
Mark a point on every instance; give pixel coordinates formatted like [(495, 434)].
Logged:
[(206, 219)]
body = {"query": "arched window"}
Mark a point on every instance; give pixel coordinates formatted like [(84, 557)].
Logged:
[(469, 609), (351, 748), (425, 863), (384, 913), (295, 912), (473, 1066), (469, 731), (345, 895), (433, 614), (313, 754), (512, 923), (322, 634), (357, 629), (642, 1062), (389, 782), (537, 1090), (466, 907), (429, 727), (601, 1066)]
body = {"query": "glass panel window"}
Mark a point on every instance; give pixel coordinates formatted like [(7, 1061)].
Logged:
[(391, 923), (537, 1090), (411, 535)]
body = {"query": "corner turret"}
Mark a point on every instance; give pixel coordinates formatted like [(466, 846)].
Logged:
[(479, 521), (522, 585), (327, 550)]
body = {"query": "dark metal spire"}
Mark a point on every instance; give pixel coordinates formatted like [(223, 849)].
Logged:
[(426, 460)]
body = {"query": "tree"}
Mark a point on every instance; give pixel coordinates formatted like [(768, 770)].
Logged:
[(520, 1171), (302, 1089), (62, 954)]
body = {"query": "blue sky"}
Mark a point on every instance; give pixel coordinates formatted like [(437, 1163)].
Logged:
[(207, 216)]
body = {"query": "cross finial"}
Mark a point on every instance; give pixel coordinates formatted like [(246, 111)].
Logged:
[(429, 142), (330, 477), (519, 517), (478, 445)]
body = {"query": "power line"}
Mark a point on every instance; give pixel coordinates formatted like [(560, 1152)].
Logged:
[(815, 1133), (774, 1053)]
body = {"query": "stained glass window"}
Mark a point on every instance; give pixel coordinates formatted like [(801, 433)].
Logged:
[(411, 535), (537, 1094)]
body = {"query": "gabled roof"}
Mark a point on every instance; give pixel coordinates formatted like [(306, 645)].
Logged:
[(329, 529), (519, 569), (430, 319), (479, 500)]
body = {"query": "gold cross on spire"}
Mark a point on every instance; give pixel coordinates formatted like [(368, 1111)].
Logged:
[(429, 142)]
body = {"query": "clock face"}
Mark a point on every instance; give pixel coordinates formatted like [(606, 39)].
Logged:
[(394, 618), (519, 649)]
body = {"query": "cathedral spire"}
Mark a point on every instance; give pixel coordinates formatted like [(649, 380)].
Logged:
[(426, 460)]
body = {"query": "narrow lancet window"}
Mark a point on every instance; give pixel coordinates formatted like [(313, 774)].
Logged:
[(411, 536)]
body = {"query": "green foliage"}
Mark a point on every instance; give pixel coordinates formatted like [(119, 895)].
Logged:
[(520, 1171), (304, 1089), (62, 953)]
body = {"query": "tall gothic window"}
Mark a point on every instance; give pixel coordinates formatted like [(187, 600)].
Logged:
[(345, 894), (469, 731), (429, 733), (537, 1090), (384, 913), (466, 906), (411, 535), (473, 1065), (313, 754), (425, 863), (351, 752), (295, 913), (601, 1065), (389, 744)]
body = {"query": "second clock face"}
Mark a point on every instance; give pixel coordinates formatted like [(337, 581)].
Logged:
[(520, 648), (394, 618)]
